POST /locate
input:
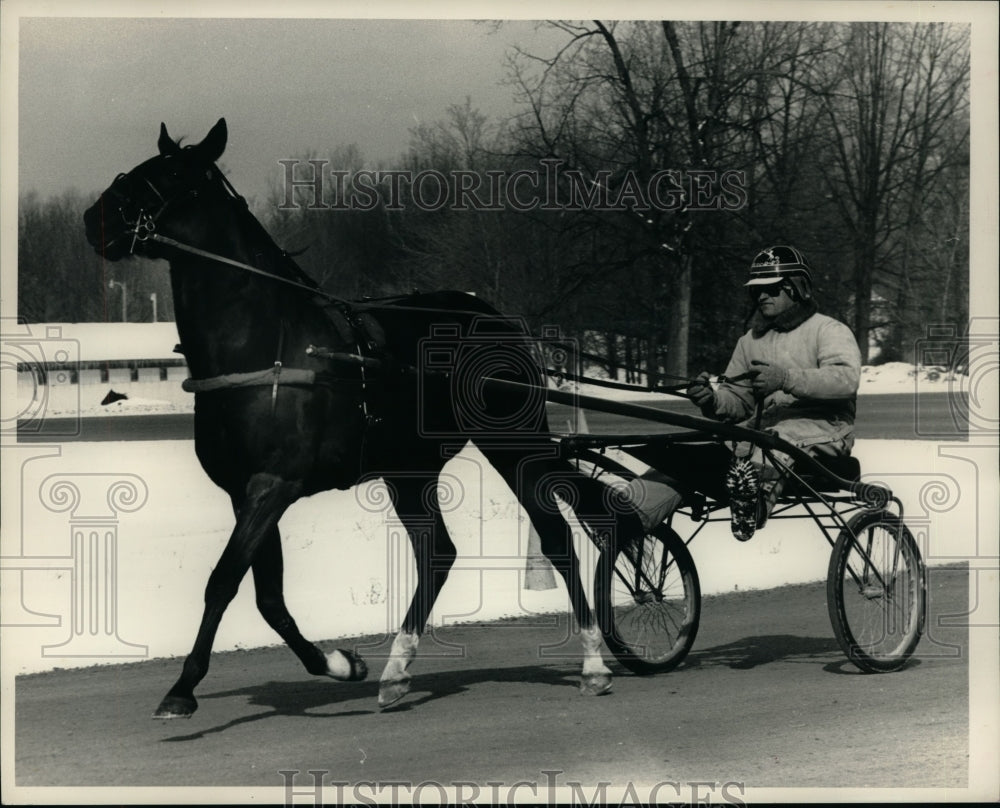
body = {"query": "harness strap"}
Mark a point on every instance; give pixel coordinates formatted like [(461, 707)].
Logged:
[(270, 376), (354, 359), (277, 367)]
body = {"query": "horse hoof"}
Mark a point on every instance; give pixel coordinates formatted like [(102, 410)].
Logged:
[(391, 692), (176, 707), (345, 666), (595, 684), (359, 668)]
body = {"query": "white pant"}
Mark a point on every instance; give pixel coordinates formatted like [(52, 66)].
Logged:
[(653, 497)]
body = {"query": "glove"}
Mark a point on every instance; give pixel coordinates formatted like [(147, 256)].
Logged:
[(768, 379), (702, 394)]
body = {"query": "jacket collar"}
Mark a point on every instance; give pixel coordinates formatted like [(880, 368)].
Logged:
[(788, 320)]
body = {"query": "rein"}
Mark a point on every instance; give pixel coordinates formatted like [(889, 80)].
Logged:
[(170, 242), (673, 389), (144, 229)]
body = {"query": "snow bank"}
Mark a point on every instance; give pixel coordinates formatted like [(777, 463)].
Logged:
[(99, 342)]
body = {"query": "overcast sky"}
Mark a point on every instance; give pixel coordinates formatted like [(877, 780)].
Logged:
[(92, 92)]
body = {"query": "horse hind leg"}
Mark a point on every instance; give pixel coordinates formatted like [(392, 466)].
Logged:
[(267, 497), (414, 501), (534, 481), (268, 569), (602, 511), (557, 544), (595, 505)]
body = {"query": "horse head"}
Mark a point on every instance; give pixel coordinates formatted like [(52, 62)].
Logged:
[(154, 196)]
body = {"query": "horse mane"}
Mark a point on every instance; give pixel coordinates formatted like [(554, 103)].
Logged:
[(260, 232)]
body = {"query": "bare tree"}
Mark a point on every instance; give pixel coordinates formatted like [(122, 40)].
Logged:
[(890, 117), (627, 101), (61, 279)]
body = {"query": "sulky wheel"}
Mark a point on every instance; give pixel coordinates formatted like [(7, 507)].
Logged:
[(648, 601), (876, 592)]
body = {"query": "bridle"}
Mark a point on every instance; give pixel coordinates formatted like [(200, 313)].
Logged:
[(143, 228), (144, 224)]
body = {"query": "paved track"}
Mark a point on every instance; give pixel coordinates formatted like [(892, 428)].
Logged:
[(765, 699)]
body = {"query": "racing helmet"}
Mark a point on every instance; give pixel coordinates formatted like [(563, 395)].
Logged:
[(781, 263)]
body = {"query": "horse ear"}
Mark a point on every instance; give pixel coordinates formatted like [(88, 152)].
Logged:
[(214, 144), (166, 143)]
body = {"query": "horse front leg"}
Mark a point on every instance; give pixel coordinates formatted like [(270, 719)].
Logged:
[(267, 497), (434, 551), (268, 573)]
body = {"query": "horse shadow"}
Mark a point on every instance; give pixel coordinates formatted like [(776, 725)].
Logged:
[(308, 698)]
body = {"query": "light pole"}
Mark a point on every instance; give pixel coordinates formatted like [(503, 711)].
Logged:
[(152, 297), (112, 285)]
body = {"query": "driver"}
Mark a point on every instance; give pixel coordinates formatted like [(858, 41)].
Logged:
[(803, 366)]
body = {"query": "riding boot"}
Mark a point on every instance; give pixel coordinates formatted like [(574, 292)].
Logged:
[(743, 484)]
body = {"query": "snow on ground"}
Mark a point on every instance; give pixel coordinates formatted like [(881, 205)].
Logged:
[(134, 405)]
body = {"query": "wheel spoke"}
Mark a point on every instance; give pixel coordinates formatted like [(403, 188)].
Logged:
[(652, 601)]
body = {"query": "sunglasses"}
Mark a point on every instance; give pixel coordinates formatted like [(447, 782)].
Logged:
[(773, 290)]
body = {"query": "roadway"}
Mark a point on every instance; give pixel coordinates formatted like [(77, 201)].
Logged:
[(764, 700)]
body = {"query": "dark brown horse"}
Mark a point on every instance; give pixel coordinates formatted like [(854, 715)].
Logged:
[(297, 392)]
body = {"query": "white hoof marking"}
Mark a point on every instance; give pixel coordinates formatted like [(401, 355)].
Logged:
[(395, 681), (337, 666), (596, 675)]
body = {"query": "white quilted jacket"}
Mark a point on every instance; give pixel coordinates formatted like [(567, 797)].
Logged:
[(816, 406)]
